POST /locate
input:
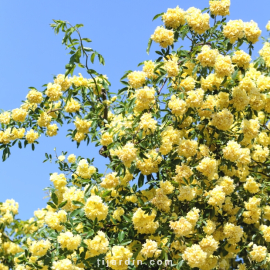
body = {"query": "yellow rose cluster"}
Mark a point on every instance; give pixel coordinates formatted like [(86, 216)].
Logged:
[(207, 57), (118, 257), (69, 241), (110, 181), (163, 36), (39, 248), (237, 29), (127, 154), (98, 245), (145, 97), (171, 66), (72, 106), (8, 210), (150, 164), (84, 170), (136, 79), (95, 208), (82, 127), (53, 219), (220, 8), (197, 21), (174, 17), (69, 195), (265, 53), (148, 68), (144, 223), (34, 96)]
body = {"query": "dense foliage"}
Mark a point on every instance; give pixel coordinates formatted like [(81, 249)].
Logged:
[(191, 129)]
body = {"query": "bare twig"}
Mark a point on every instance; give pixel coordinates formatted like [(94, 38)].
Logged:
[(266, 127), (6, 237), (206, 43), (188, 37), (54, 110), (104, 98), (162, 86)]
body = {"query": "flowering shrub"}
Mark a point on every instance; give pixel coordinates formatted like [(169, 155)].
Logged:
[(191, 127)]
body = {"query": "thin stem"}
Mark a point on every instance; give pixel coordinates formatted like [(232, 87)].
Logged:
[(84, 53), (266, 127), (162, 86), (188, 37), (54, 110)]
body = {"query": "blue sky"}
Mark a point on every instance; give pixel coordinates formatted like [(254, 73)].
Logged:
[(31, 54)]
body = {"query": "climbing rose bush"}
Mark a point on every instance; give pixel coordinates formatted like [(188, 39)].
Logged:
[(187, 146)]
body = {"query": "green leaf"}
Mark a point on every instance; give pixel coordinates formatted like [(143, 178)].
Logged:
[(229, 46), (76, 212), (184, 31), (6, 153), (126, 218), (185, 180), (101, 59), (160, 53), (121, 236), (125, 75), (92, 71), (62, 204), (124, 82), (149, 45), (78, 25), (106, 193), (180, 264), (140, 201), (195, 70), (235, 74), (52, 205), (212, 213), (141, 180), (126, 242), (241, 137), (225, 80), (188, 112), (93, 57), (158, 66), (132, 168), (70, 69), (87, 49), (204, 9), (240, 213), (54, 198), (157, 16), (87, 39), (77, 203), (69, 95), (81, 65), (76, 56), (141, 134)]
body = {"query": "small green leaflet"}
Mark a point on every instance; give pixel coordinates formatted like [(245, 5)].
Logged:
[(157, 16)]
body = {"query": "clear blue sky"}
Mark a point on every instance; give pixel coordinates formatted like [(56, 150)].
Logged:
[(31, 54)]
